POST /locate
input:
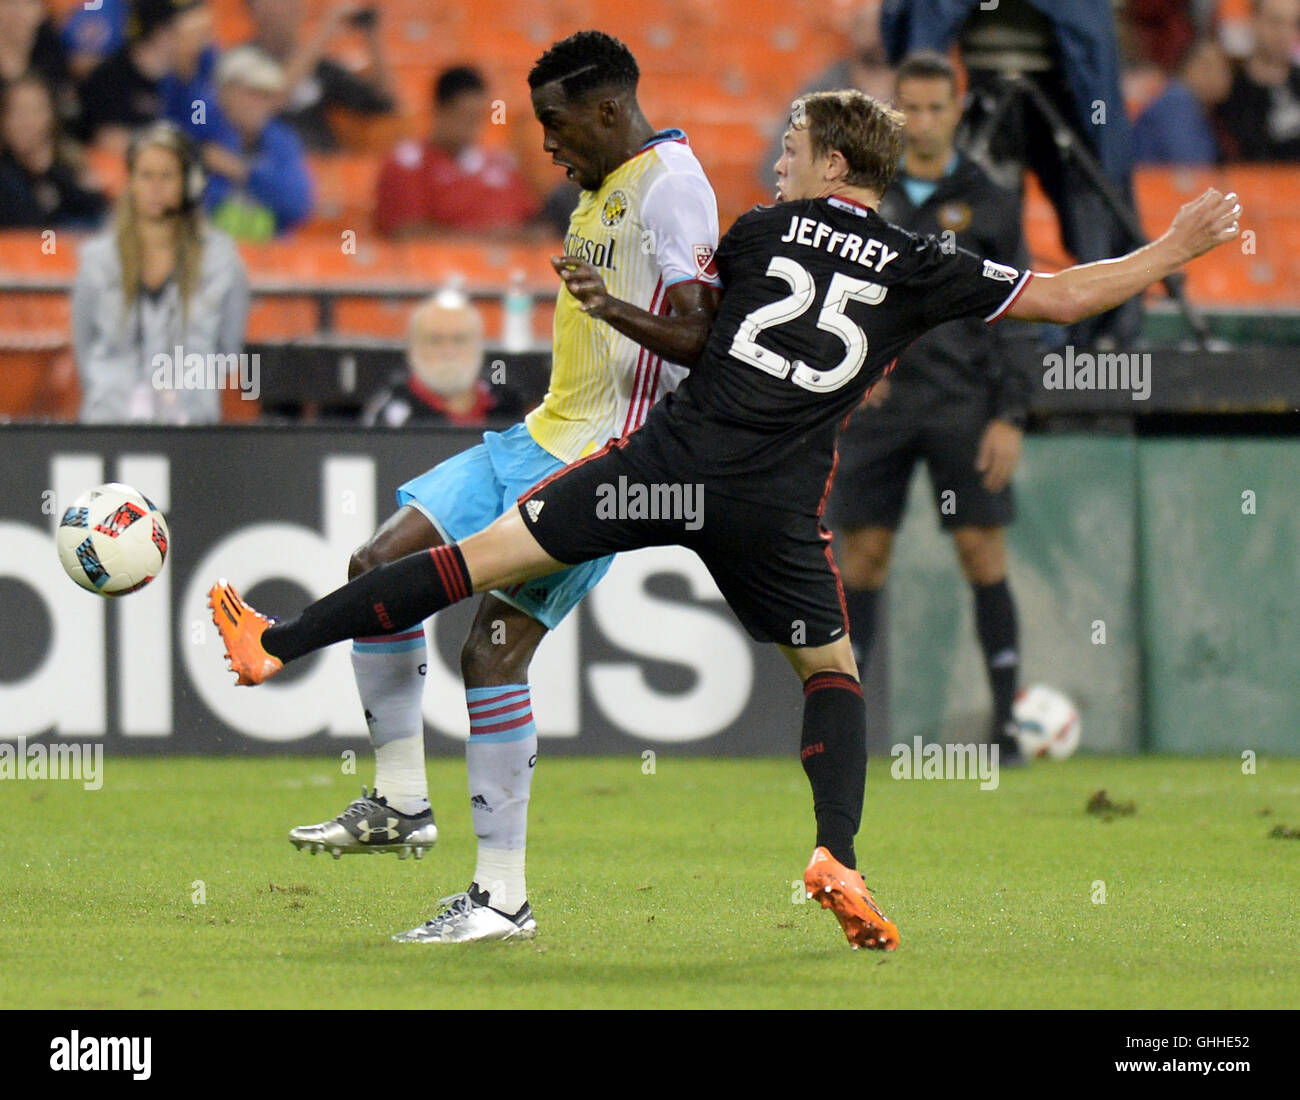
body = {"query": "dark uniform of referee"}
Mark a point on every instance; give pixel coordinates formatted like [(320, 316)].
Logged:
[(954, 397)]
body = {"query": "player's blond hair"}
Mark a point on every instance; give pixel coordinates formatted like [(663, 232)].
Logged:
[(868, 134)]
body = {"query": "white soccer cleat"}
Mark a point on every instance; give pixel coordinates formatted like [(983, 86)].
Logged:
[(464, 918), (369, 825)]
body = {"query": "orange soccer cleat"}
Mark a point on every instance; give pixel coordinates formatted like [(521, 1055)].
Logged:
[(241, 630), (845, 894)]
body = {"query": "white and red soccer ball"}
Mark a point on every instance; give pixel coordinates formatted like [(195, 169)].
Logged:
[(1047, 723), (113, 540)]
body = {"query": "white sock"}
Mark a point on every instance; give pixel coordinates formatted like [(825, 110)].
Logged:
[(499, 760), (500, 871), (400, 778), (391, 685)]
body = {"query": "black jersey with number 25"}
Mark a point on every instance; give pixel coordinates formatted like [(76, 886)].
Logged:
[(819, 297)]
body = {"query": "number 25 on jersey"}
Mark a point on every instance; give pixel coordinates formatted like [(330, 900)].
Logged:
[(843, 289)]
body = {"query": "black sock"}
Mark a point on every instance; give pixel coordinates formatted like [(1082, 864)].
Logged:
[(995, 621), (834, 754), (861, 604), (390, 597)]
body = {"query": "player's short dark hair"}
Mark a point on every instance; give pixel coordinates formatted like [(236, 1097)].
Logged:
[(456, 81), (585, 62), (926, 65), (868, 134)]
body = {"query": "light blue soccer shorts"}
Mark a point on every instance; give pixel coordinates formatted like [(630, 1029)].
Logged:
[(468, 491)]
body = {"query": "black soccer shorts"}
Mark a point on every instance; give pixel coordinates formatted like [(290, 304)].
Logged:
[(773, 567), (878, 453)]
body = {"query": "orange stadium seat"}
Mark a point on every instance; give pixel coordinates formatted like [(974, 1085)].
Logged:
[(233, 24), (377, 317), (345, 190), (1235, 273), (38, 378), (287, 318), (39, 313), (107, 169), (26, 253)]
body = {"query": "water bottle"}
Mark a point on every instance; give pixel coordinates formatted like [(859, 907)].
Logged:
[(517, 329)]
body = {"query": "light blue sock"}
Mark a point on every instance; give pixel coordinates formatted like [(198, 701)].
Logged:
[(499, 759)]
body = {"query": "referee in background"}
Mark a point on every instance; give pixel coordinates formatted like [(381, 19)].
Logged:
[(954, 398)]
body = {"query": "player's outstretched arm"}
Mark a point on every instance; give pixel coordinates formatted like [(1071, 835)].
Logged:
[(678, 337), (1088, 289)]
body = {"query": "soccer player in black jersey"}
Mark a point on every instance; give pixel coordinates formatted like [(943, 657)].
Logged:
[(819, 296)]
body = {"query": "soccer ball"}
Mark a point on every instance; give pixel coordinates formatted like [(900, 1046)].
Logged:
[(112, 540), (1047, 723)]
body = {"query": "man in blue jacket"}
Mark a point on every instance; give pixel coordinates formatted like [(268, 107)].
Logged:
[(259, 186)]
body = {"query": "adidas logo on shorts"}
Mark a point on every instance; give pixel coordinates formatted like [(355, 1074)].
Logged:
[(534, 509)]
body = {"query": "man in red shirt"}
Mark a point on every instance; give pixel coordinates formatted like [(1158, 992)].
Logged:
[(450, 183)]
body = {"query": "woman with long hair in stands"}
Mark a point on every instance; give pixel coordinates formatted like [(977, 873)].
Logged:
[(41, 184), (161, 297)]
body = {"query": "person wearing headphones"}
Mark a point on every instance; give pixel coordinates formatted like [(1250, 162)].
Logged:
[(161, 296)]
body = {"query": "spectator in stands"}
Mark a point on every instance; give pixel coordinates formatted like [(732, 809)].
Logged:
[(444, 383), (260, 184), (29, 42), (92, 34), (1262, 112), (864, 67), (451, 182), (1163, 31), (318, 88), (1178, 126), (40, 172), (160, 278), (123, 93), (189, 91)]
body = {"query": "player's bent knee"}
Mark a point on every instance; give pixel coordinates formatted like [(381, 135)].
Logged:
[(870, 574), (809, 661), (366, 557), (496, 654), (981, 553), (485, 665), (362, 561), (863, 557), (480, 662), (407, 531)]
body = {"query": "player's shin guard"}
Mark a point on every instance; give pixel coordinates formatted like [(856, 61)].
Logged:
[(995, 622), (388, 598), (390, 671), (834, 755), (499, 760)]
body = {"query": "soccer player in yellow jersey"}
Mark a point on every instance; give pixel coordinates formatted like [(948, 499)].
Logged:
[(648, 222)]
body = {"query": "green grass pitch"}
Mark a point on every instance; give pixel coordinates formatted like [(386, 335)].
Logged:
[(674, 889)]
